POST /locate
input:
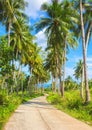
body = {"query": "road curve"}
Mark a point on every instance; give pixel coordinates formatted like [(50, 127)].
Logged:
[(37, 114)]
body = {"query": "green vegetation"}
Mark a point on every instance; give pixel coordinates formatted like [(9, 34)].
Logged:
[(64, 23), (73, 105)]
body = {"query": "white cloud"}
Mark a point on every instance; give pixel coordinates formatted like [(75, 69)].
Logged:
[(34, 7), (89, 59), (41, 39), (89, 65)]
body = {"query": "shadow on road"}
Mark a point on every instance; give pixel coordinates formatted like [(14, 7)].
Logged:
[(38, 104)]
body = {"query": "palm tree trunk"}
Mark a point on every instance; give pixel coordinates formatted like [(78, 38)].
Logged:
[(84, 55), (9, 26), (61, 88), (28, 86), (64, 69), (22, 88), (81, 88), (52, 83), (88, 35)]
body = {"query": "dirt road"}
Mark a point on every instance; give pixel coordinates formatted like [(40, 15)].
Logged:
[(37, 114)]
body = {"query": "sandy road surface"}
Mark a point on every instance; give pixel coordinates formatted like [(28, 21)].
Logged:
[(37, 114)]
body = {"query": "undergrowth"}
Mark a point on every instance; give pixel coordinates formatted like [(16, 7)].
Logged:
[(73, 105)]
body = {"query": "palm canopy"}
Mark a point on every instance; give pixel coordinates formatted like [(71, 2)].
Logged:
[(21, 39), (87, 17), (57, 21), (78, 69), (51, 63), (10, 11)]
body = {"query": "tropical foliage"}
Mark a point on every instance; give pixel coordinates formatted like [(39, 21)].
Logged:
[(64, 23)]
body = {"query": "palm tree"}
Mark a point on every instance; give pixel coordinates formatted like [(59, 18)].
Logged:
[(79, 74), (11, 10), (21, 41), (84, 54), (69, 37), (88, 22), (56, 25), (69, 42), (87, 14)]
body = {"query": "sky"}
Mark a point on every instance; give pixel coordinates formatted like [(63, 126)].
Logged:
[(34, 12)]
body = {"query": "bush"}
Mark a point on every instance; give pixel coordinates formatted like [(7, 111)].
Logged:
[(54, 99), (3, 99)]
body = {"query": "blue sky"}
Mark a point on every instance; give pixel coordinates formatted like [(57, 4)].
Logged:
[(33, 11)]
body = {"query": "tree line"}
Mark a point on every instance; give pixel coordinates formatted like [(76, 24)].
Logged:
[(17, 49), (64, 23)]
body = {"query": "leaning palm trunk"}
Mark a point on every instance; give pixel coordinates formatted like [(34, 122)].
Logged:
[(88, 35), (84, 56)]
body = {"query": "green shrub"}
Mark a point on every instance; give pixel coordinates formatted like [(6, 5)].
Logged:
[(3, 99), (73, 105), (54, 99)]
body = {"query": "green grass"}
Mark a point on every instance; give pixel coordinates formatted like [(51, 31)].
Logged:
[(73, 105), (9, 105)]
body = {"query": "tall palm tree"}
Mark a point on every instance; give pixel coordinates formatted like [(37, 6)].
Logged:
[(11, 10), (84, 53), (69, 37), (79, 74), (56, 25), (21, 42), (87, 14), (88, 22), (69, 42)]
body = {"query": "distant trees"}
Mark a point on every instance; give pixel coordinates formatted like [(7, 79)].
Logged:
[(60, 23), (70, 84), (17, 48)]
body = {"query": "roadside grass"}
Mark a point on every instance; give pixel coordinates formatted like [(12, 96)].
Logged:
[(73, 105), (9, 104)]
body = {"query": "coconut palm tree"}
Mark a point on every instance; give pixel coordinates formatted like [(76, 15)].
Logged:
[(88, 22), (87, 14), (9, 12), (84, 53), (56, 25), (79, 74), (21, 41)]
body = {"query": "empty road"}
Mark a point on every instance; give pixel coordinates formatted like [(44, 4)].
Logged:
[(37, 114)]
